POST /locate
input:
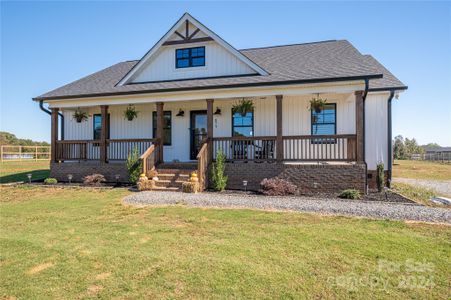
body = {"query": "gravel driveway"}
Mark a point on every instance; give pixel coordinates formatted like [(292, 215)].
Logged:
[(379, 210), (440, 186)]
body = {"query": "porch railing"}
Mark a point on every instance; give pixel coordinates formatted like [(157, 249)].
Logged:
[(202, 165), (245, 148), (149, 158), (320, 147), (340, 147), (117, 149)]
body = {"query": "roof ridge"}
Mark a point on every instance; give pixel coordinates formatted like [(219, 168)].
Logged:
[(288, 45)]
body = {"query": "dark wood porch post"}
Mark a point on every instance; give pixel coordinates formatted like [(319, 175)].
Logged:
[(103, 134), (279, 141), (359, 125), (54, 134), (210, 129), (160, 126)]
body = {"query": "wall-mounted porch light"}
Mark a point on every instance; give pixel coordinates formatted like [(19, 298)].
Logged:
[(181, 113), (218, 111)]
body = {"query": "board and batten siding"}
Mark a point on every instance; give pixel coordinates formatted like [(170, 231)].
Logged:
[(120, 128), (376, 123), (297, 116), (218, 62), (296, 120)]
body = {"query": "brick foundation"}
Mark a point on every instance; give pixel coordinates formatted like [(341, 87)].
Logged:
[(310, 178), (81, 169), (372, 176)]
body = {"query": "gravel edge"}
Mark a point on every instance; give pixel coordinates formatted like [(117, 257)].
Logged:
[(330, 206)]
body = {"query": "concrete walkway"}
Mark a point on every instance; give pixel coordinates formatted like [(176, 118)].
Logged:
[(440, 186), (334, 206)]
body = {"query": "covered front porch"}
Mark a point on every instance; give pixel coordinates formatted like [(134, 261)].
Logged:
[(280, 132)]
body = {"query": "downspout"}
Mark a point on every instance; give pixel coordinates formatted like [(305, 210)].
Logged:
[(365, 93), (41, 106), (389, 139)]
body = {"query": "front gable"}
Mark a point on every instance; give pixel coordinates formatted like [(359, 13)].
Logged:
[(219, 58)]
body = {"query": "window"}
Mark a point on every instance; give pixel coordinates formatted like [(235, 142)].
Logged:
[(167, 132), (243, 126), (190, 57), (97, 120), (324, 122)]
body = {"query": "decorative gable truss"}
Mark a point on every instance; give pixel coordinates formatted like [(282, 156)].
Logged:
[(191, 34), (158, 64)]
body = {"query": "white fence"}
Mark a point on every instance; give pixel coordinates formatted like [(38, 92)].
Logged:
[(439, 156), (24, 153)]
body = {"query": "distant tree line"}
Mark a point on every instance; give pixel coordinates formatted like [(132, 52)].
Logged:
[(7, 138), (404, 148)]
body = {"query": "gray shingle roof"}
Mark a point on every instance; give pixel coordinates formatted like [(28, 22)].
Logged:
[(389, 81), (302, 63)]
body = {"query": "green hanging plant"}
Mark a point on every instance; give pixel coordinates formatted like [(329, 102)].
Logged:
[(317, 104), (243, 107), (130, 113), (80, 116)]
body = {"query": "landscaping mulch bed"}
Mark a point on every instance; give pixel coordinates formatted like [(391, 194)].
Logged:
[(373, 195)]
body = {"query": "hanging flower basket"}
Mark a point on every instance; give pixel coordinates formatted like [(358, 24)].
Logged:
[(80, 116), (317, 104), (130, 113), (243, 107)]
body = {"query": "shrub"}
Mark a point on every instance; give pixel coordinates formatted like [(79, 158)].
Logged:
[(94, 179), (219, 180), (50, 181), (350, 194), (277, 187), (380, 177), (133, 165)]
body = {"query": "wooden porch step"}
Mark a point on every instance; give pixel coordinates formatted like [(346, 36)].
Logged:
[(169, 183), (166, 189), (178, 166), (177, 172)]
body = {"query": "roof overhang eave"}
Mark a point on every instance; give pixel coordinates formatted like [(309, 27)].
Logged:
[(389, 89), (228, 86)]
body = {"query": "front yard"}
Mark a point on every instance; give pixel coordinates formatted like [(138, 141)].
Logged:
[(14, 171), (417, 169), (75, 243)]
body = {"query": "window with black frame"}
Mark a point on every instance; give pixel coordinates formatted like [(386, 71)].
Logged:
[(243, 125), (97, 126), (324, 123), (167, 127), (190, 57)]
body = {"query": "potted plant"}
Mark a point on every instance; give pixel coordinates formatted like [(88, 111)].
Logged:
[(80, 116), (130, 113), (243, 107), (317, 104)]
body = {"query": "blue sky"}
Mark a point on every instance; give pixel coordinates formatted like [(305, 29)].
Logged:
[(47, 44)]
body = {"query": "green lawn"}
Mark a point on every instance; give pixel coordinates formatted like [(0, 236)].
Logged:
[(421, 170), (17, 171), (74, 243)]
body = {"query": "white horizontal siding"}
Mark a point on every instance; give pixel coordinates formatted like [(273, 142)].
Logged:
[(218, 62)]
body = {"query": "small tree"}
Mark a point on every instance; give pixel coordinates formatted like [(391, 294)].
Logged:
[(399, 149), (133, 165), (219, 179), (380, 177)]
